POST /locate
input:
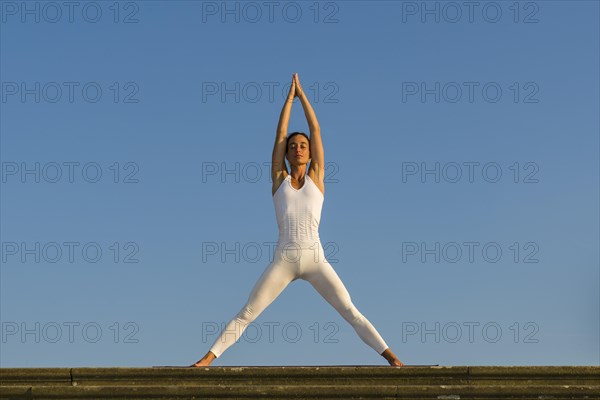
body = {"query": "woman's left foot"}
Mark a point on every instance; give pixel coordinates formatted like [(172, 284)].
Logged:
[(391, 358), (396, 363)]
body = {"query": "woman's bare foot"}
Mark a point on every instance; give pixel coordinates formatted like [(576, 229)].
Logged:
[(391, 358), (396, 363), (205, 361)]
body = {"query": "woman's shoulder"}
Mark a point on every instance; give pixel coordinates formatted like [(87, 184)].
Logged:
[(278, 178), (318, 179)]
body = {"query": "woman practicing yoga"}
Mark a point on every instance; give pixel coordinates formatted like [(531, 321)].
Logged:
[(298, 199)]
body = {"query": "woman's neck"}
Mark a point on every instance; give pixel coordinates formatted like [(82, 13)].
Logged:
[(298, 174)]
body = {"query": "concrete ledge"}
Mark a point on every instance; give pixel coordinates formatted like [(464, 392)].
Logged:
[(39, 376), (322, 375), (310, 382), (303, 392), (531, 375)]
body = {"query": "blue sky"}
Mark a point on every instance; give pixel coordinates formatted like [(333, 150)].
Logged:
[(461, 198)]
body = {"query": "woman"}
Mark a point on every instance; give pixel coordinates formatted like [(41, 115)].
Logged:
[(298, 199)]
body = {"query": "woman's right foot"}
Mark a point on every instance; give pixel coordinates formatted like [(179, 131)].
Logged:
[(205, 361), (201, 363)]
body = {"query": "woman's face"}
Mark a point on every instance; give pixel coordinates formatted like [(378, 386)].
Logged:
[(298, 150)]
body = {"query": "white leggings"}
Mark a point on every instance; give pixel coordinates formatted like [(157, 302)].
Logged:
[(289, 264)]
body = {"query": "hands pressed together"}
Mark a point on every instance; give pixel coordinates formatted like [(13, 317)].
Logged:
[(295, 88)]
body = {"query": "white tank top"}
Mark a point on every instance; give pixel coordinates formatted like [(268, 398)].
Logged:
[(298, 213)]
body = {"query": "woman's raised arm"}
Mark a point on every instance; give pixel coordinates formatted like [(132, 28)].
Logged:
[(279, 150), (317, 152)]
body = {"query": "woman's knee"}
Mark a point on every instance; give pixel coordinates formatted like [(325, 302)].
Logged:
[(246, 315), (350, 312)]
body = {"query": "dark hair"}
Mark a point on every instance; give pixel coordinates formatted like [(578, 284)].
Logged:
[(294, 134)]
